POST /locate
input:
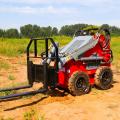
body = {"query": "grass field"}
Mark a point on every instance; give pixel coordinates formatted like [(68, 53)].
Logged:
[(115, 45), (16, 47)]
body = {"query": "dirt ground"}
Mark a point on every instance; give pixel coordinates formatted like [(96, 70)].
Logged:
[(97, 105)]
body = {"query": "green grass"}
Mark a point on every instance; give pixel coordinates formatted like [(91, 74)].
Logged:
[(16, 47), (29, 115), (12, 47), (33, 115), (11, 77), (115, 45), (5, 93), (4, 65)]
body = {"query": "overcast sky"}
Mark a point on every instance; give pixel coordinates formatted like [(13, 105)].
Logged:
[(14, 13)]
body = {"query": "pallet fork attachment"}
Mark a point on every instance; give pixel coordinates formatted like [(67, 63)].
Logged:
[(31, 81), (23, 94)]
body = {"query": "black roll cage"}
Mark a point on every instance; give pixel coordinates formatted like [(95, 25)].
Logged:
[(46, 49)]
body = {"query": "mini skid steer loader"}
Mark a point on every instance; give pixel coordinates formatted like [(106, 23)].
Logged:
[(82, 63)]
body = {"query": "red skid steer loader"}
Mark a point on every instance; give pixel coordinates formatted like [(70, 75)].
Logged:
[(82, 63)]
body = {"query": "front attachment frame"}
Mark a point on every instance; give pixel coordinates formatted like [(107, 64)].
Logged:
[(45, 71)]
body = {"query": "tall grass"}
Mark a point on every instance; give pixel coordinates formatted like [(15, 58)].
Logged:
[(4, 65), (115, 45), (12, 47), (16, 47)]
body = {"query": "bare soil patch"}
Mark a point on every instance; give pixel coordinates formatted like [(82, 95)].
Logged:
[(97, 105)]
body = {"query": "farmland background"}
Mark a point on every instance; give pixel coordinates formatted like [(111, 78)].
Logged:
[(13, 47)]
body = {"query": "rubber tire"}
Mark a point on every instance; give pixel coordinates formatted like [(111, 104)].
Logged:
[(98, 77), (72, 83)]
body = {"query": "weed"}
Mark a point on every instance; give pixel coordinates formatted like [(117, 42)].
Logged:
[(11, 77), (41, 117), (6, 119), (29, 115), (7, 93), (33, 115), (4, 65)]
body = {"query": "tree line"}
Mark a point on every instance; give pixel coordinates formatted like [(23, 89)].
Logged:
[(29, 30)]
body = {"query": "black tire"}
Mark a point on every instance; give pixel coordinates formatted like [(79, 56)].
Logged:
[(78, 83), (104, 78)]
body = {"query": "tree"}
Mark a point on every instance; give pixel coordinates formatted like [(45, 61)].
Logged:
[(54, 31), (12, 33), (69, 30), (1, 33), (27, 31), (46, 31), (36, 31), (105, 26), (115, 30)]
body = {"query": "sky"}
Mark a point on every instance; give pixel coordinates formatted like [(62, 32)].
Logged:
[(16, 13)]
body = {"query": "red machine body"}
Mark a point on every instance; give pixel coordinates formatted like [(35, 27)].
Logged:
[(71, 66)]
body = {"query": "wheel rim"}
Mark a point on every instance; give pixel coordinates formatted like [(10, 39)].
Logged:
[(81, 84), (106, 78)]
